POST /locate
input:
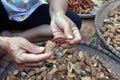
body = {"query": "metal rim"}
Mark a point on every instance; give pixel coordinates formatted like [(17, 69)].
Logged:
[(87, 15)]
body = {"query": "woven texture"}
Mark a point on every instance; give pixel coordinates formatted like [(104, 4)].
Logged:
[(84, 46), (100, 16)]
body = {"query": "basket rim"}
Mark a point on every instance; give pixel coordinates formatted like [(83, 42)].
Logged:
[(86, 16), (100, 33)]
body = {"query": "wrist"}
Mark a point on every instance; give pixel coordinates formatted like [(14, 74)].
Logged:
[(57, 6), (54, 12), (53, 15)]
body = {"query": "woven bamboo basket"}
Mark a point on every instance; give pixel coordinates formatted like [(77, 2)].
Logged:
[(99, 21)]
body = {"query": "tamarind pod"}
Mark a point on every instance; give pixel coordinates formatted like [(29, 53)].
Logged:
[(91, 3)]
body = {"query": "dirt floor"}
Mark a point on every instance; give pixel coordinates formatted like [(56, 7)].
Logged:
[(87, 31)]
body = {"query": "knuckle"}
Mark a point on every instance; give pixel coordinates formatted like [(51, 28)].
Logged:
[(20, 60), (24, 41)]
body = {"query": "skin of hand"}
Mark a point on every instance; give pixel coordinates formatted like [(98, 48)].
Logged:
[(24, 52), (63, 27)]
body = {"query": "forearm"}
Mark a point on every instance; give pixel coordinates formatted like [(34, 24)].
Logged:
[(57, 6), (3, 42)]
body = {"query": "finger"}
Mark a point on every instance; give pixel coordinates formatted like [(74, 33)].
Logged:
[(56, 31), (33, 48), (77, 36), (31, 58), (58, 34), (33, 65), (68, 31), (66, 46)]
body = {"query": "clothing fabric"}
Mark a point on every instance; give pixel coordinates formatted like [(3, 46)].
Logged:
[(39, 17), (20, 10)]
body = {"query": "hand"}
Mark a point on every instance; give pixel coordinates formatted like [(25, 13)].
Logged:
[(24, 52), (63, 27)]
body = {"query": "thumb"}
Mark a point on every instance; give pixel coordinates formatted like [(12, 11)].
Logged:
[(33, 48)]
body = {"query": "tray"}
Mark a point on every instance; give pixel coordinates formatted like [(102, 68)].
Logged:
[(100, 16), (85, 46)]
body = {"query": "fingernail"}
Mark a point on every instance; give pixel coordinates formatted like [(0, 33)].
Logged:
[(41, 48), (70, 37)]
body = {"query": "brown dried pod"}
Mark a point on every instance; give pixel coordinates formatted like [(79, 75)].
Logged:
[(86, 78), (103, 29), (62, 67), (15, 72), (76, 65), (112, 13), (103, 63), (59, 40), (50, 46)]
